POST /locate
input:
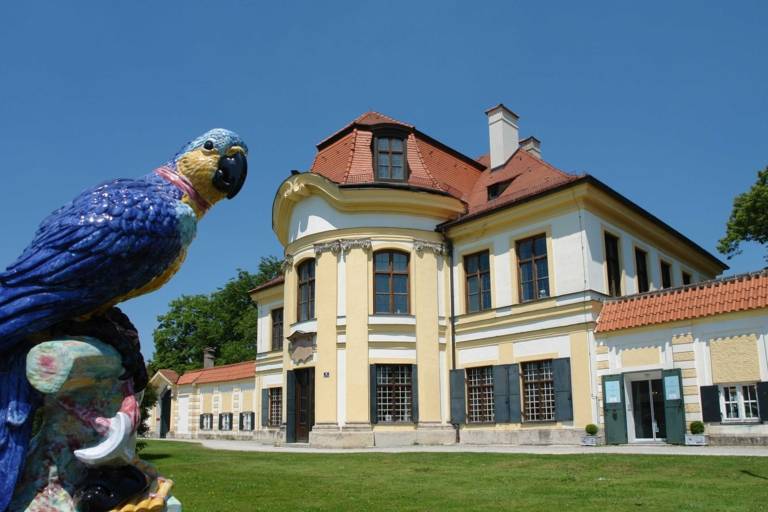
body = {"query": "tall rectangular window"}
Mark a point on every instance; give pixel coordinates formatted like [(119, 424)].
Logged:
[(275, 406), (480, 406), (390, 159), (738, 402), (390, 282), (666, 274), (538, 391), (641, 266), (613, 262), (225, 421), (394, 393), (686, 278), (306, 291), (246, 420), (477, 268), (533, 271), (206, 421), (277, 329)]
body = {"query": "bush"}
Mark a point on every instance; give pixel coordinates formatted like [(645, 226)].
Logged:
[(697, 427), (591, 429)]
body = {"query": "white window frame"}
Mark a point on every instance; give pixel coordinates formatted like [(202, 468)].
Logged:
[(247, 426), (207, 421), (740, 402), (226, 421)]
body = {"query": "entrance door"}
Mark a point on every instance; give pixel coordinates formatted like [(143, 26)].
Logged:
[(613, 409), (304, 403), (648, 410), (182, 415), (165, 413)]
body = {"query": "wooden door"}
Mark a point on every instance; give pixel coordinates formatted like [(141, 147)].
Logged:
[(304, 403)]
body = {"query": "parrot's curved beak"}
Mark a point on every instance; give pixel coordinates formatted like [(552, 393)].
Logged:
[(232, 171)]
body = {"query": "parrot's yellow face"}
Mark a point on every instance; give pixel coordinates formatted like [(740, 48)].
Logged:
[(210, 168), (200, 166)]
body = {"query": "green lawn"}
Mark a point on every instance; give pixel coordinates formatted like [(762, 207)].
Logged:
[(213, 480)]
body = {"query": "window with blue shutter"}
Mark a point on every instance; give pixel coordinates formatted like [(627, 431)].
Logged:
[(458, 407), (264, 407), (561, 374)]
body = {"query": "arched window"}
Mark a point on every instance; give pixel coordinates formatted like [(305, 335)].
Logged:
[(390, 158), (390, 283), (306, 291)]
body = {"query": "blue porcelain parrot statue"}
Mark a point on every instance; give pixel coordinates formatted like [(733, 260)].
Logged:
[(115, 241)]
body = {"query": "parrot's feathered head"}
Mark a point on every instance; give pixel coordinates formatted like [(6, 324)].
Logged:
[(214, 164)]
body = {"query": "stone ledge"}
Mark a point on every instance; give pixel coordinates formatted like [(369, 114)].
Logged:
[(539, 436)]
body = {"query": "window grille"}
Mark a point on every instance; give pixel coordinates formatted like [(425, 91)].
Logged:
[(394, 393), (480, 395), (538, 391), (275, 406)]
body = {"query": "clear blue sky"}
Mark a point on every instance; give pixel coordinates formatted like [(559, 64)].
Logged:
[(665, 101)]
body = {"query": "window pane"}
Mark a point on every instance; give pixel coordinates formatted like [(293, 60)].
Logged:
[(397, 160), (382, 303), (487, 299), (400, 262), (382, 260), (401, 304), (474, 303), (471, 264), (484, 265), (382, 283), (540, 246), (383, 172), (397, 173), (472, 283), (400, 283), (524, 250), (383, 159), (541, 268), (397, 144), (383, 144), (543, 288), (526, 272), (527, 291), (486, 281)]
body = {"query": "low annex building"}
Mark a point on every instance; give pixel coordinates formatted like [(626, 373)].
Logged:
[(429, 297)]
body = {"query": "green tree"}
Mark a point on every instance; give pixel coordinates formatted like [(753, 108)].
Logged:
[(749, 218), (148, 401), (225, 320)]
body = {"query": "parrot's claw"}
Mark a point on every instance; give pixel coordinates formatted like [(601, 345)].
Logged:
[(116, 448)]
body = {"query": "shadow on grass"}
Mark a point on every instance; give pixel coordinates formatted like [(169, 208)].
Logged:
[(749, 473), (154, 456)]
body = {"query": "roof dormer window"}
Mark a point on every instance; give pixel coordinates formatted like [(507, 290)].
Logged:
[(390, 159)]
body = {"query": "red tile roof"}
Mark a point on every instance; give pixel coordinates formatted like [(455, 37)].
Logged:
[(171, 375), (224, 373), (268, 284), (728, 295)]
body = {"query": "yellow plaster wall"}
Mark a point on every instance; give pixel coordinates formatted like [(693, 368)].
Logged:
[(734, 359), (357, 336), (226, 402), (581, 390), (640, 356), (207, 402), (427, 346), (325, 308)]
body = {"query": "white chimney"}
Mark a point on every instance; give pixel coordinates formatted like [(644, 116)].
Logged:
[(532, 145), (502, 130)]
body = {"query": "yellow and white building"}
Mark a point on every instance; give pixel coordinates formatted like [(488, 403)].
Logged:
[(429, 297)]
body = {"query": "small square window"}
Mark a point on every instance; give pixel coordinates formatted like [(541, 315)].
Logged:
[(738, 403)]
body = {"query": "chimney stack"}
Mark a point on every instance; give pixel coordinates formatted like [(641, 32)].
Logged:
[(502, 130), (208, 357), (532, 145)]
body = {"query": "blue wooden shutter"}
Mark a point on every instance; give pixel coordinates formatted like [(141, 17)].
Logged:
[(500, 394), (674, 405), (264, 407), (253, 420), (458, 409), (415, 392), (513, 383), (762, 400), (372, 393), (561, 375), (220, 418), (710, 403), (201, 421), (290, 407), (240, 421)]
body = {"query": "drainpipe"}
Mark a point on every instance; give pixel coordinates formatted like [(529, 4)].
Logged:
[(449, 250)]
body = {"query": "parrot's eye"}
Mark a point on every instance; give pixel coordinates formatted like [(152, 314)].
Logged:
[(208, 145)]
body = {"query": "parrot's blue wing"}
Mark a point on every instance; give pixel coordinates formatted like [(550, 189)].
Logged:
[(109, 241)]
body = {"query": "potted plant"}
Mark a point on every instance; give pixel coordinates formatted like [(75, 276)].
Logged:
[(591, 438), (696, 437)]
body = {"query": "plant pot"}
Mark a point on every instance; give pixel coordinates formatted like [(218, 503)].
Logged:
[(696, 440), (590, 441)]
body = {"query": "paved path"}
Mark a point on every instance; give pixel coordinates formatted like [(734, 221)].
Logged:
[(252, 446)]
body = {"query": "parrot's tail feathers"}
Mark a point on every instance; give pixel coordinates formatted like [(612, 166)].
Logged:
[(17, 404), (27, 310)]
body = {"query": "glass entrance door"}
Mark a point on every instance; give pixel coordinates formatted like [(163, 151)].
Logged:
[(648, 410)]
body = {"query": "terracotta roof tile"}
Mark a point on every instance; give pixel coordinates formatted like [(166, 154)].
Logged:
[(224, 373), (719, 296), (268, 284), (171, 375)]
